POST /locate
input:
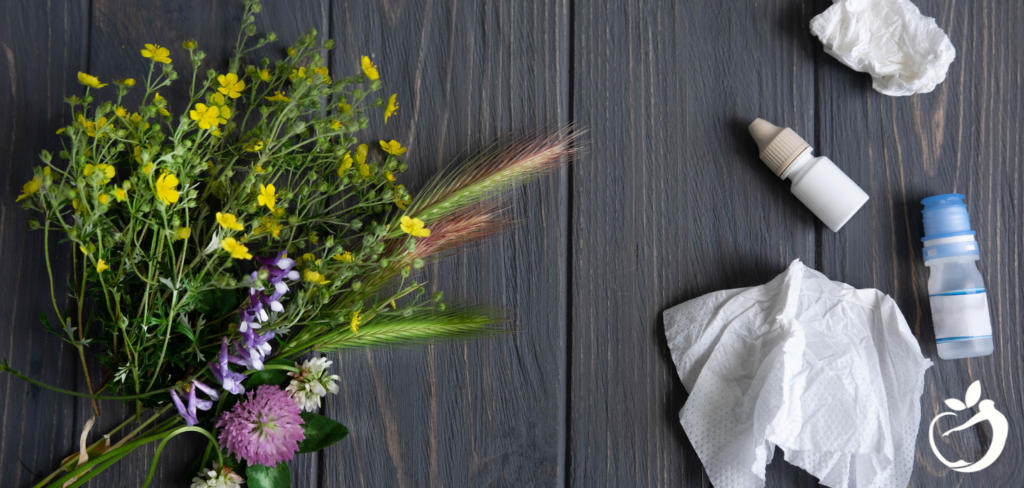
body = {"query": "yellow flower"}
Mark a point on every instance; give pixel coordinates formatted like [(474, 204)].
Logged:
[(291, 51), (393, 147), (165, 188), (90, 80), (129, 82), (343, 106), (254, 146), (228, 221), (345, 257), (120, 111), (267, 196), (120, 194), (156, 53), (273, 227), (101, 266), (74, 204), (62, 130), (354, 324), (259, 169), (279, 97), (105, 169), (391, 108), (148, 168), (104, 198), (183, 233), (370, 69), (336, 124), (92, 128), (402, 204), (364, 170), (85, 250), (297, 73), (30, 188), (161, 105), (389, 176), (361, 153), (189, 44), (208, 117), (323, 72), (414, 227), (237, 249), (314, 277), (346, 163), (265, 74), (230, 85)]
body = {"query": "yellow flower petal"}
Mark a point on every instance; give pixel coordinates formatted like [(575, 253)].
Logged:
[(370, 69), (90, 80), (391, 108)]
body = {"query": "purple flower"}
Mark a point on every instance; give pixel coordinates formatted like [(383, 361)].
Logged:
[(189, 413), (230, 380), (263, 429), (255, 350)]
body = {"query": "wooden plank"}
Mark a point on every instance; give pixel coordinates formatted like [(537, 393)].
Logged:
[(491, 411), (42, 47), (962, 138), (119, 30), (671, 203)]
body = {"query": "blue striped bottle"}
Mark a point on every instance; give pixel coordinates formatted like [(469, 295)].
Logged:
[(956, 289)]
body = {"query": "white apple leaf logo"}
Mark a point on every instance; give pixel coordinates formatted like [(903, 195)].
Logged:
[(955, 404), (973, 394)]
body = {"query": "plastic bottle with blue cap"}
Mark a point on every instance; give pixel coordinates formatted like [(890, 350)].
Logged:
[(956, 290)]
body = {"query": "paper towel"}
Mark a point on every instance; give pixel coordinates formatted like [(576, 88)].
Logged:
[(904, 51), (829, 373)]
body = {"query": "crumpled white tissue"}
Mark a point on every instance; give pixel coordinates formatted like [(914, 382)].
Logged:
[(829, 373), (904, 51)]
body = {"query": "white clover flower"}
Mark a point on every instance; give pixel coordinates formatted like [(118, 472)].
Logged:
[(218, 477), (311, 383)]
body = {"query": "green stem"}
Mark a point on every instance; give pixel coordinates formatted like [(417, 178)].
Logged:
[(156, 456), (131, 446), (5, 368)]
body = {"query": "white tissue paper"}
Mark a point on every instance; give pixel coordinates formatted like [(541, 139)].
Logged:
[(829, 373), (904, 51)]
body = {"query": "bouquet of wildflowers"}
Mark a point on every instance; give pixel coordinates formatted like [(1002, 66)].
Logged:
[(213, 249)]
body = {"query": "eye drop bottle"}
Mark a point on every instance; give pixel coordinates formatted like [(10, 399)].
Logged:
[(956, 290), (817, 181)]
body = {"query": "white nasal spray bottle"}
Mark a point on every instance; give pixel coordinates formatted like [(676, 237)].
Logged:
[(817, 181)]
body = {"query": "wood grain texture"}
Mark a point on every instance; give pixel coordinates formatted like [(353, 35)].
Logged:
[(42, 47), (963, 137), (672, 203), (487, 412)]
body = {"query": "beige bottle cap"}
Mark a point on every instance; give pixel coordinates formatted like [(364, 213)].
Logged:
[(779, 146)]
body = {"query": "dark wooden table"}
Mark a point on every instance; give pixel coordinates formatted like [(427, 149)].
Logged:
[(669, 203)]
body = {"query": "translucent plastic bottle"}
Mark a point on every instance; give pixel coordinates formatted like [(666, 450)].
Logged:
[(956, 290)]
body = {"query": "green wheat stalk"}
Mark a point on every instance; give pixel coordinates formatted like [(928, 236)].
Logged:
[(423, 328)]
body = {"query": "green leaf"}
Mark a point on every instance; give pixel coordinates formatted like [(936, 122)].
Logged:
[(268, 376), (216, 302), (320, 432), (260, 476)]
